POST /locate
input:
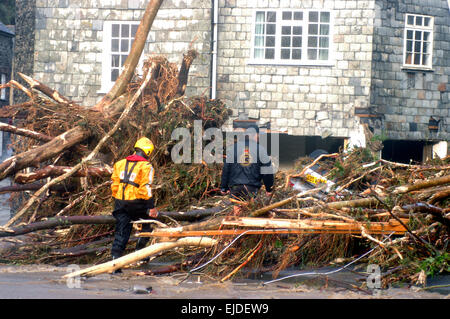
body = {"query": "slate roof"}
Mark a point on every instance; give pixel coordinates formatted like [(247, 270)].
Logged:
[(5, 30)]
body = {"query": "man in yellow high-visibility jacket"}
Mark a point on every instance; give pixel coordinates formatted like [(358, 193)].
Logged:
[(133, 199)]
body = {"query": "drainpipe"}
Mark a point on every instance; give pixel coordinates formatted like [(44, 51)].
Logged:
[(215, 21)]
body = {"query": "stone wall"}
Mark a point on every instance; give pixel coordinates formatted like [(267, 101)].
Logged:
[(406, 98), (298, 100), (24, 43), (69, 47), (6, 54)]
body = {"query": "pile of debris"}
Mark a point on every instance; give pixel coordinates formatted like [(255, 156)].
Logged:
[(335, 206)]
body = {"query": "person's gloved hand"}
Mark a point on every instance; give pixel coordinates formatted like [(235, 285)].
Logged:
[(153, 213)]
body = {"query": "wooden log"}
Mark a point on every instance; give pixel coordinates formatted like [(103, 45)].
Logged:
[(422, 184), (53, 94), (184, 71), (141, 254), (57, 222), (24, 132), (44, 152), (33, 187), (52, 171), (109, 219), (327, 226)]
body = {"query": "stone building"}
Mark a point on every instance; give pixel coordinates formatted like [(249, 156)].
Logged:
[(316, 69), (6, 58)]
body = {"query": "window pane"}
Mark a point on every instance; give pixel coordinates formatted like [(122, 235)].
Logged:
[(125, 31), (323, 54), (296, 54), (298, 15), (297, 42), (285, 30), (259, 53), (409, 45), (260, 16), (270, 41), (427, 22), (270, 53), (408, 58), (417, 45), (297, 31), (314, 16), (115, 60), (312, 54), (418, 35), (259, 41), (134, 30), (426, 36), (417, 59), (312, 41), (324, 29), (115, 45), (313, 29), (287, 15), (419, 21), (324, 17), (124, 45), (409, 34), (122, 59), (259, 29), (410, 19), (425, 59), (323, 42), (426, 47), (285, 54), (271, 29), (114, 74), (271, 16), (115, 30), (285, 41)]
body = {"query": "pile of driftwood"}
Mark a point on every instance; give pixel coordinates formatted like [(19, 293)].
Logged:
[(61, 181), (399, 212)]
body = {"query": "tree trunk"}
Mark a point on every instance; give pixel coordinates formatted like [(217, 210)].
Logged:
[(184, 71), (44, 152), (52, 171), (141, 254), (24, 132)]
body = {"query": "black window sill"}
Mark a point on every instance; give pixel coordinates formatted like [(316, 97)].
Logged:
[(413, 69)]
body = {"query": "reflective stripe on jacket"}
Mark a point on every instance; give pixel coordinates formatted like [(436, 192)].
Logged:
[(132, 179)]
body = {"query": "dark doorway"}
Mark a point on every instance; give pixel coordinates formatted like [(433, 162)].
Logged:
[(403, 151)]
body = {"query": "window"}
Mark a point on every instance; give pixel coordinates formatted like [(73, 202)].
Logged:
[(418, 45), (118, 37), (2, 82), (292, 37)]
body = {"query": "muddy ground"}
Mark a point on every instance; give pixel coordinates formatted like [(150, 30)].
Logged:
[(46, 282)]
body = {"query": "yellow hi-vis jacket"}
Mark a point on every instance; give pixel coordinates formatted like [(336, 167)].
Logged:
[(132, 179)]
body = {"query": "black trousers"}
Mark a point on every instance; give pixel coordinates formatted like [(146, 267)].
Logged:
[(243, 192), (125, 213)]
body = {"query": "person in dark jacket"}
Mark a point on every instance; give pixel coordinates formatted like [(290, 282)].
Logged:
[(247, 167)]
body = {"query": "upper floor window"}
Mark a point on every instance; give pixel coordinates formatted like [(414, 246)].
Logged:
[(118, 36), (418, 45), (292, 37), (2, 82)]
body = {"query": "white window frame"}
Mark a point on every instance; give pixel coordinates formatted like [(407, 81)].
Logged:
[(304, 55), (3, 91), (414, 28), (106, 83)]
